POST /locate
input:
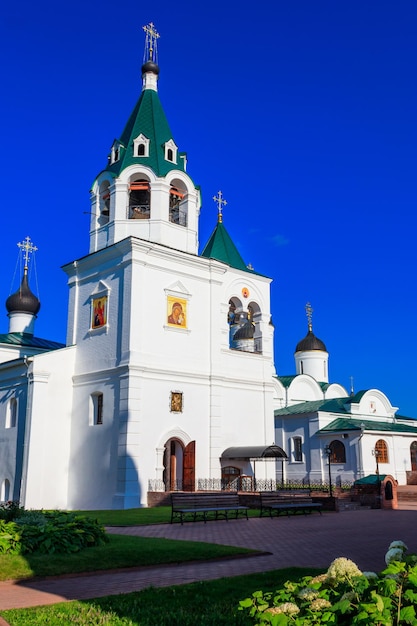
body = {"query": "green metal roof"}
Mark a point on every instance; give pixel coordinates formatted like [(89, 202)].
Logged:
[(343, 424), (148, 118), (372, 479), (25, 339), (287, 380), (221, 247), (335, 405)]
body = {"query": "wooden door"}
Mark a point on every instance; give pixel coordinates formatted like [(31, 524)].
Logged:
[(188, 482)]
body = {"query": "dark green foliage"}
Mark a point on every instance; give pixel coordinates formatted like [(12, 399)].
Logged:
[(58, 533), (10, 510)]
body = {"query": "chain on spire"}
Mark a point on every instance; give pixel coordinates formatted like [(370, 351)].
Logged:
[(309, 313), (27, 248), (221, 202), (151, 43)]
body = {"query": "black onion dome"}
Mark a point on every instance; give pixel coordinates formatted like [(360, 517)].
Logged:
[(23, 300), (245, 330), (150, 66), (310, 342)]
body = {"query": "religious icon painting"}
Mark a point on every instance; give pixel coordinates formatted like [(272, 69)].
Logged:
[(176, 401), (176, 312), (99, 312)]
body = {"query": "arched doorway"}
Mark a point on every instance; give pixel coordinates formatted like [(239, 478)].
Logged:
[(413, 455), (179, 466)]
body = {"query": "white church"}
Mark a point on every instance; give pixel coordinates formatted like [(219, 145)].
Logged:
[(167, 378)]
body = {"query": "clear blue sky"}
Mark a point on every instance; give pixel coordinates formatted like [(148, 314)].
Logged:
[(303, 113)]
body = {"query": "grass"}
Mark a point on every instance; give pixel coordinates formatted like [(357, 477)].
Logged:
[(138, 517), (209, 603), (120, 552)]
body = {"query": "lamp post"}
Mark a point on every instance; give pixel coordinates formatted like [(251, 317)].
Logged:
[(375, 452), (328, 452)]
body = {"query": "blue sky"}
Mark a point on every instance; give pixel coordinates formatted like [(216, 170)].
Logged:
[(304, 115)]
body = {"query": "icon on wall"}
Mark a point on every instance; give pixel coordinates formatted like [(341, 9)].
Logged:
[(176, 401), (176, 312), (99, 315)]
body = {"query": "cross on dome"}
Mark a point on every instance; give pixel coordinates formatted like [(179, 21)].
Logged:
[(151, 49), (27, 248), (309, 313), (221, 202)]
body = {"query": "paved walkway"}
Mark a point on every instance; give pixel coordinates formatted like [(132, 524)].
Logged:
[(305, 541)]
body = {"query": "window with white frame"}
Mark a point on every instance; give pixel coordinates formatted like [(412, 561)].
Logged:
[(297, 449), (141, 146), (11, 413), (171, 151), (96, 414)]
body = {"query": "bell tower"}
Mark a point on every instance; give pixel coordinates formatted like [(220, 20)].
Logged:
[(144, 191)]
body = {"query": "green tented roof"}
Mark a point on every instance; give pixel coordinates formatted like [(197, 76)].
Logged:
[(25, 339), (221, 247), (148, 118), (343, 424)]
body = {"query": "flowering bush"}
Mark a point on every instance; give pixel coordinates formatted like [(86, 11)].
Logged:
[(344, 595)]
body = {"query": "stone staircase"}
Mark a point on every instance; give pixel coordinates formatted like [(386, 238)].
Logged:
[(407, 496), (346, 503)]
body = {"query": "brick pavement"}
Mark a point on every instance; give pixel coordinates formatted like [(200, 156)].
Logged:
[(305, 541)]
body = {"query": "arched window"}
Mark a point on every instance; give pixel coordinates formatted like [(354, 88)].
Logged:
[(141, 149), (413, 455), (104, 203), (5, 491), (11, 413), (255, 317), (297, 449), (337, 452), (139, 199), (178, 203), (170, 155), (97, 409), (381, 451)]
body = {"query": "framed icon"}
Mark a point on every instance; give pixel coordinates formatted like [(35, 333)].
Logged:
[(176, 312), (176, 401), (99, 312)]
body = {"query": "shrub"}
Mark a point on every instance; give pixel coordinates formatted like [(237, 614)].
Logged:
[(10, 510), (344, 595), (58, 533)]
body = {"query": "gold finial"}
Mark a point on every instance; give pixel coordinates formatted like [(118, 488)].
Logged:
[(27, 247), (220, 204), (309, 313), (151, 49)]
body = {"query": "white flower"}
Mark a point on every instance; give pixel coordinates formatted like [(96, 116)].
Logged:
[(308, 594), (342, 568), (398, 544), (289, 608), (319, 604), (394, 554)]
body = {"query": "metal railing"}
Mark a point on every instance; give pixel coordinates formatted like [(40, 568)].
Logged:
[(245, 483)]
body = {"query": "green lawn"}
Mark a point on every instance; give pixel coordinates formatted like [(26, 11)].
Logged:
[(210, 603), (138, 517), (120, 552)]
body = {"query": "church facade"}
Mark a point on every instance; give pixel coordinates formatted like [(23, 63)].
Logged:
[(167, 376)]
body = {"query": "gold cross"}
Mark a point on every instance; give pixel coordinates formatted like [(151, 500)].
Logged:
[(27, 248), (309, 313), (150, 42), (221, 202)]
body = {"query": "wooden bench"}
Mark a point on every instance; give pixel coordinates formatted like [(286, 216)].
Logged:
[(196, 506), (287, 502)]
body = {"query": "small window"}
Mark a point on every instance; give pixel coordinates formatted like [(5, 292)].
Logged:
[(297, 449), (337, 452), (381, 451), (171, 151), (11, 413), (141, 146), (97, 399), (5, 491)]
